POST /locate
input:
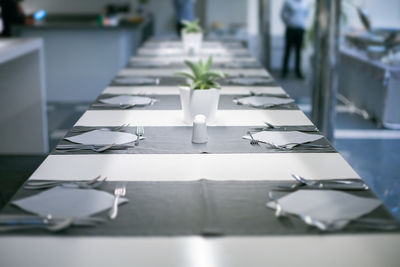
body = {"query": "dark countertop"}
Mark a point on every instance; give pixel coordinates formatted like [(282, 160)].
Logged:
[(84, 21)]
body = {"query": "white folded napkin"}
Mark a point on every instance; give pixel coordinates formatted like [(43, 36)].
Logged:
[(260, 91), (135, 80), (289, 138), (128, 100), (61, 202), (262, 101), (250, 81), (102, 137), (328, 206), (241, 65)]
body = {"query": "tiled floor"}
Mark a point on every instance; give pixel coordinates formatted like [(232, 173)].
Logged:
[(372, 152)]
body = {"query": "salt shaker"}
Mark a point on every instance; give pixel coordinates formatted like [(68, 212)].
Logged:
[(199, 135)]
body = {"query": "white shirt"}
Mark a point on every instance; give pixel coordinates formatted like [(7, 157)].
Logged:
[(294, 13)]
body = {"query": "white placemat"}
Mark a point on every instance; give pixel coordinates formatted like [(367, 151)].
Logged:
[(189, 167), (175, 118)]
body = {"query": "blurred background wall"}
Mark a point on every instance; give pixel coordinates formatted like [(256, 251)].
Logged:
[(228, 16)]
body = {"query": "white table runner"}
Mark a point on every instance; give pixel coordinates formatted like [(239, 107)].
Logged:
[(171, 71), (175, 118), (173, 90), (187, 167)]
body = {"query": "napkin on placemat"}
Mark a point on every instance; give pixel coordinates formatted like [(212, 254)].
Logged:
[(102, 137), (280, 138), (241, 65), (128, 100), (262, 101), (135, 80), (150, 64), (327, 206), (61, 202), (265, 91), (250, 81)]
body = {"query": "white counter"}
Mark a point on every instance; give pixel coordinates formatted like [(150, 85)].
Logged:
[(23, 118)]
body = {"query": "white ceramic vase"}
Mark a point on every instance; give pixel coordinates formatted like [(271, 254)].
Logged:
[(196, 102), (192, 42)]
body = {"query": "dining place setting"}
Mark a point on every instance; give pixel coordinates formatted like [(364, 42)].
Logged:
[(198, 154)]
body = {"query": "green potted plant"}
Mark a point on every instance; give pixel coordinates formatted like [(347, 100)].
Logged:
[(201, 94), (192, 36)]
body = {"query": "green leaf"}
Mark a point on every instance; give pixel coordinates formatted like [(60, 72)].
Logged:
[(185, 75), (201, 76), (191, 26), (195, 68), (195, 85), (208, 64)]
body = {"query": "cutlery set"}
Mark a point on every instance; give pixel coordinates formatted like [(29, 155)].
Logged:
[(288, 146), (87, 129), (26, 222), (84, 184), (94, 148), (339, 224), (65, 148), (333, 184)]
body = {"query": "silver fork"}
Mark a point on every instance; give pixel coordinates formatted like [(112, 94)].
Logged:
[(86, 147), (120, 191), (270, 125), (253, 141), (139, 133)]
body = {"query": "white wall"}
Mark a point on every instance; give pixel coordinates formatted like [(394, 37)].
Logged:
[(226, 12), (383, 13)]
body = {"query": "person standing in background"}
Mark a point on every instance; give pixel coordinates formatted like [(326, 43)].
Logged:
[(184, 10), (13, 14), (294, 15)]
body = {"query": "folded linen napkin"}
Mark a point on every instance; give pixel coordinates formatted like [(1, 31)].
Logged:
[(129, 100), (286, 138), (102, 137), (262, 101), (250, 80), (135, 80), (328, 206), (62, 202)]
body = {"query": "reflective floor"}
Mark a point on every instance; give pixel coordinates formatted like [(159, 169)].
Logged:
[(372, 152)]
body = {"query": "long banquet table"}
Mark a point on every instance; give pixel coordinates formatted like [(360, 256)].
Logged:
[(164, 224)]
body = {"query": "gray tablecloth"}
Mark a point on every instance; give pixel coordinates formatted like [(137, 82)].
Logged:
[(172, 102), (196, 208), (177, 140)]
